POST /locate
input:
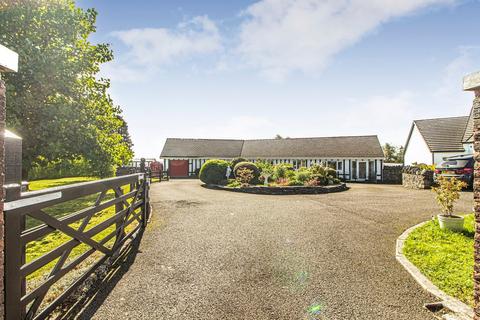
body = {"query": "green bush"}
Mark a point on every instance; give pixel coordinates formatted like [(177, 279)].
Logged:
[(237, 161), (250, 166), (283, 171), (213, 172), (294, 182), (303, 175), (64, 169)]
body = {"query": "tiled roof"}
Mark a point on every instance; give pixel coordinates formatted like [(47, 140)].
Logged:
[(443, 134), (197, 148), (468, 135), (324, 147)]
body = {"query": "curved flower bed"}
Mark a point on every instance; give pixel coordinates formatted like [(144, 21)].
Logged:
[(282, 190)]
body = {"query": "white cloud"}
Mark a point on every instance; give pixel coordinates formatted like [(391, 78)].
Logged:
[(153, 48), (450, 91), (282, 36)]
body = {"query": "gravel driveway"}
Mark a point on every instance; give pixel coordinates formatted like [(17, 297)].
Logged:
[(217, 255)]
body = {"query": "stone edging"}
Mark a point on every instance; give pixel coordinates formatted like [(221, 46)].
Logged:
[(461, 310), (287, 190)]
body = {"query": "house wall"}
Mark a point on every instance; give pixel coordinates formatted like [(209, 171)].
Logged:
[(417, 149), (343, 166), (468, 147)]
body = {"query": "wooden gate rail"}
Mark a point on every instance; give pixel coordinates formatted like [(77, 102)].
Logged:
[(129, 207)]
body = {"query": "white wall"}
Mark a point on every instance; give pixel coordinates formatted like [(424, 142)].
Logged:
[(468, 148), (417, 149)]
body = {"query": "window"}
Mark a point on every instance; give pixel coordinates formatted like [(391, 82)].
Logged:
[(339, 165)]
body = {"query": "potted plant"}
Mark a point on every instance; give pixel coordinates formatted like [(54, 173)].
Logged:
[(447, 192)]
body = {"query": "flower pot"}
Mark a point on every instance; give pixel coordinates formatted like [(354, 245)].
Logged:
[(454, 223)]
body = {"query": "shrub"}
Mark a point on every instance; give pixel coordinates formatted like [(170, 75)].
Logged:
[(266, 171), (250, 166), (283, 171), (244, 176), (447, 192), (295, 182), (214, 171), (63, 169), (303, 175), (232, 183), (323, 175), (237, 161)]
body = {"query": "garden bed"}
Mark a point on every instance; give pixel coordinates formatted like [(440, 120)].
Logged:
[(282, 190)]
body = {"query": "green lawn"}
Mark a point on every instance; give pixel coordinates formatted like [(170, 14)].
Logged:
[(41, 246), (445, 257), (50, 183)]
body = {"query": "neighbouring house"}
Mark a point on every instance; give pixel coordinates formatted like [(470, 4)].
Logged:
[(430, 141), (355, 158)]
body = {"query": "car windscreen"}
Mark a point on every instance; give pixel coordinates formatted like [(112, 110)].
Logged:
[(453, 164)]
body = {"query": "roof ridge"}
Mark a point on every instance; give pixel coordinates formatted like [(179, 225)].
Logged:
[(442, 118)]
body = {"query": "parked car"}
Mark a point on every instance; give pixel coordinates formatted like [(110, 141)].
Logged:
[(460, 167)]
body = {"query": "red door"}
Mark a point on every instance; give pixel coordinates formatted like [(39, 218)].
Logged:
[(178, 168)]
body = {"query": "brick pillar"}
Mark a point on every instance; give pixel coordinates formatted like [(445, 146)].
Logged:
[(2, 178)]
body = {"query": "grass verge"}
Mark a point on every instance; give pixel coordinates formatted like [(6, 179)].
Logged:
[(444, 257)]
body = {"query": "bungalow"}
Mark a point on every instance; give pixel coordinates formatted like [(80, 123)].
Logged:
[(355, 158), (430, 141)]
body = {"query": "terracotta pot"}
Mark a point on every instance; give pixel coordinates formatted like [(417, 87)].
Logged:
[(454, 223)]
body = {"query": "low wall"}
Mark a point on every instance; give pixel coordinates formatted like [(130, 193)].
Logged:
[(283, 190), (416, 178), (392, 173)]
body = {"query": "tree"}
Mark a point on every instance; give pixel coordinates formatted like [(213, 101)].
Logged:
[(56, 102), (392, 153)]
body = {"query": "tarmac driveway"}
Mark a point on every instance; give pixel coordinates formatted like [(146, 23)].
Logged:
[(212, 254)]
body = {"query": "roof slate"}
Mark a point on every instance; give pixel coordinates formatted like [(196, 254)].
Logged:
[(197, 148), (443, 134), (322, 147), (468, 135)]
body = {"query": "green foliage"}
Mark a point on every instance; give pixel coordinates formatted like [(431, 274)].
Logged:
[(236, 161), (447, 192), (283, 171), (214, 171), (64, 168), (245, 176), (294, 182), (56, 102), (445, 257), (233, 183), (266, 171), (423, 166), (303, 175), (250, 166), (392, 153)]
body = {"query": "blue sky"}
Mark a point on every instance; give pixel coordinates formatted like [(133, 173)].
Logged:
[(252, 69)]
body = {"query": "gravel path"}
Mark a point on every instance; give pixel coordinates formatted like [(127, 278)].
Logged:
[(217, 255)]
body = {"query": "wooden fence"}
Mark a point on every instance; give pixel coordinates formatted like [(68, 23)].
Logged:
[(116, 210)]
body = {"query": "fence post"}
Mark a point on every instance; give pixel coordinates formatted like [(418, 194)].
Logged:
[(15, 284), (146, 200), (8, 63)]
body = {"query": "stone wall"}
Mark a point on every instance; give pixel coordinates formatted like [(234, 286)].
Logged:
[(2, 177), (392, 173), (416, 178), (282, 190)]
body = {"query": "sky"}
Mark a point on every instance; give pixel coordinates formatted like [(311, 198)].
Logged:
[(299, 68)]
